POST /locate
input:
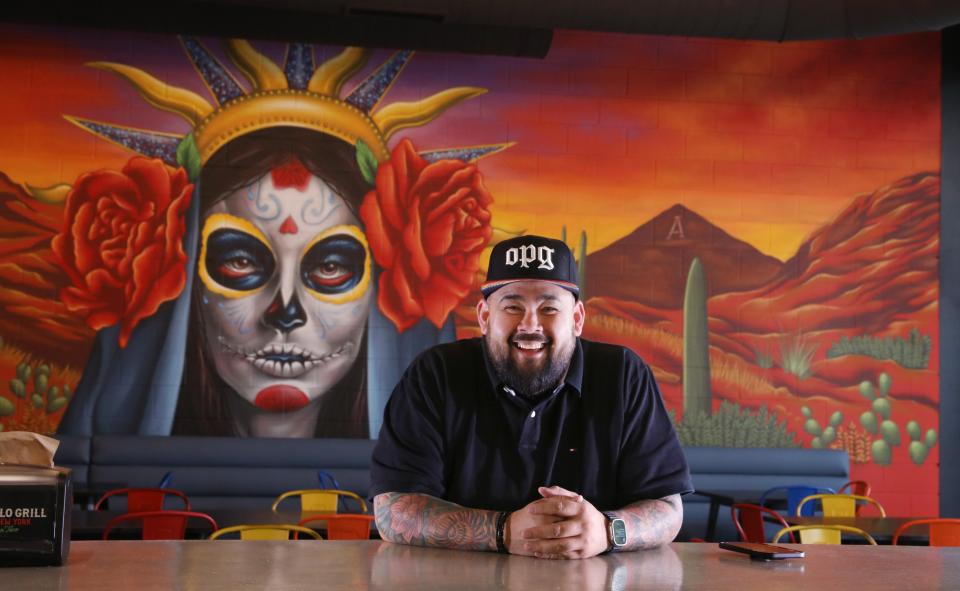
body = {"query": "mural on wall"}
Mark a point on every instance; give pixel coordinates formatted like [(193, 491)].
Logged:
[(231, 272), (758, 221)]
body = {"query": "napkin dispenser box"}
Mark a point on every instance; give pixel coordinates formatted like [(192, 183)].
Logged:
[(35, 507)]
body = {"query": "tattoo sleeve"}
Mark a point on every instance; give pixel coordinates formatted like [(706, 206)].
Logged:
[(653, 522), (423, 520)]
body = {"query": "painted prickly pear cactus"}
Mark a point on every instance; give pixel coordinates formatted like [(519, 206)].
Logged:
[(878, 421), (822, 437)]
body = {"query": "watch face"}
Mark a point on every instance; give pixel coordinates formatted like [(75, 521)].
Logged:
[(619, 532)]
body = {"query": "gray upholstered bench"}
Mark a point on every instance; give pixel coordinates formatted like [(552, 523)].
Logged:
[(726, 468), (221, 472)]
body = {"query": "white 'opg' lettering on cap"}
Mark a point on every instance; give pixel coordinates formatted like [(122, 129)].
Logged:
[(530, 253)]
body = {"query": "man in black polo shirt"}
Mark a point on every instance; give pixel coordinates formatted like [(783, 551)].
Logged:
[(529, 440)]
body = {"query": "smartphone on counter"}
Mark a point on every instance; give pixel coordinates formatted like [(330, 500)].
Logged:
[(762, 551)]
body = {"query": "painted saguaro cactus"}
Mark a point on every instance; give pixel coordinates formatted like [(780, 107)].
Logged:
[(582, 266), (696, 344)]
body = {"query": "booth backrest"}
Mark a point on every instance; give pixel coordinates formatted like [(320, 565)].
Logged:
[(74, 453), (224, 472), (234, 472), (726, 468)]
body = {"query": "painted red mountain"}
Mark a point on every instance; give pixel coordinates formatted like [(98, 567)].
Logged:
[(871, 271), (34, 319), (656, 257)]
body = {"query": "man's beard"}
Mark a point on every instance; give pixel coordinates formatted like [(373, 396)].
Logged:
[(531, 381)]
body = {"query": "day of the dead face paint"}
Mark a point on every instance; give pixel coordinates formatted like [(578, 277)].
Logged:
[(285, 272)]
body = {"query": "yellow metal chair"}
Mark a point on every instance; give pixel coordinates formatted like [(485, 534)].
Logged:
[(840, 505), (319, 500), (265, 532), (823, 534), (855, 487)]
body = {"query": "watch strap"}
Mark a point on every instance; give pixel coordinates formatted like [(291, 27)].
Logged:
[(501, 527)]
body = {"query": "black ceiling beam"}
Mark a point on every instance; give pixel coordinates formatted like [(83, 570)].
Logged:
[(381, 29)]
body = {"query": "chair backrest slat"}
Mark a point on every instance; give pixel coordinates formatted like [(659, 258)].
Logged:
[(819, 536), (168, 527), (838, 506), (945, 534), (343, 526)]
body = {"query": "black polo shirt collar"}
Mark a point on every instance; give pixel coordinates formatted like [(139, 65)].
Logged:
[(574, 377)]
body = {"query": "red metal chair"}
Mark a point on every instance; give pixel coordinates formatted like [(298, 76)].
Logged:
[(143, 499), (750, 519), (943, 531), (160, 525), (856, 487), (343, 526)]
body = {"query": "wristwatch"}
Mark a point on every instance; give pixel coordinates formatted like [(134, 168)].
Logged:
[(616, 531)]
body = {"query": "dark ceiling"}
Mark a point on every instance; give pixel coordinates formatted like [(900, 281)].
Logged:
[(506, 27)]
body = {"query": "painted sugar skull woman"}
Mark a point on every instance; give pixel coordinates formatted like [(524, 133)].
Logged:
[(272, 272)]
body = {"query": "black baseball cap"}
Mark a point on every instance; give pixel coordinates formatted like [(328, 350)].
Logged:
[(526, 258)]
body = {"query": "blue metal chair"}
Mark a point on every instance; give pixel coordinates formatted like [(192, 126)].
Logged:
[(166, 480), (327, 481), (795, 494)]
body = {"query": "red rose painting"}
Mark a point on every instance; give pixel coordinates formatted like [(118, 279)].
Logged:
[(427, 224), (122, 243)]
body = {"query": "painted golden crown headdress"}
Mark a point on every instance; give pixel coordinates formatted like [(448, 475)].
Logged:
[(300, 95)]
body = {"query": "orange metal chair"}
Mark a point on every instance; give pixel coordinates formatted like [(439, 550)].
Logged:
[(265, 532), (143, 499), (856, 487), (943, 531), (750, 522), (344, 526), (840, 505), (160, 525), (317, 500), (823, 534)]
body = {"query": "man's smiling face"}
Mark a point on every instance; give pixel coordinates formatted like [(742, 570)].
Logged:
[(530, 330)]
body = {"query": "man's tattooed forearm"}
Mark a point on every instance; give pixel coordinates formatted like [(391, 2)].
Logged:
[(422, 520), (653, 522)]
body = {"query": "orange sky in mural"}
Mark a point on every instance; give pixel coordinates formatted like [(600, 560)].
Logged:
[(766, 140)]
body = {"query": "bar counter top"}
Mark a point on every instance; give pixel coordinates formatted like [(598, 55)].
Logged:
[(365, 565)]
